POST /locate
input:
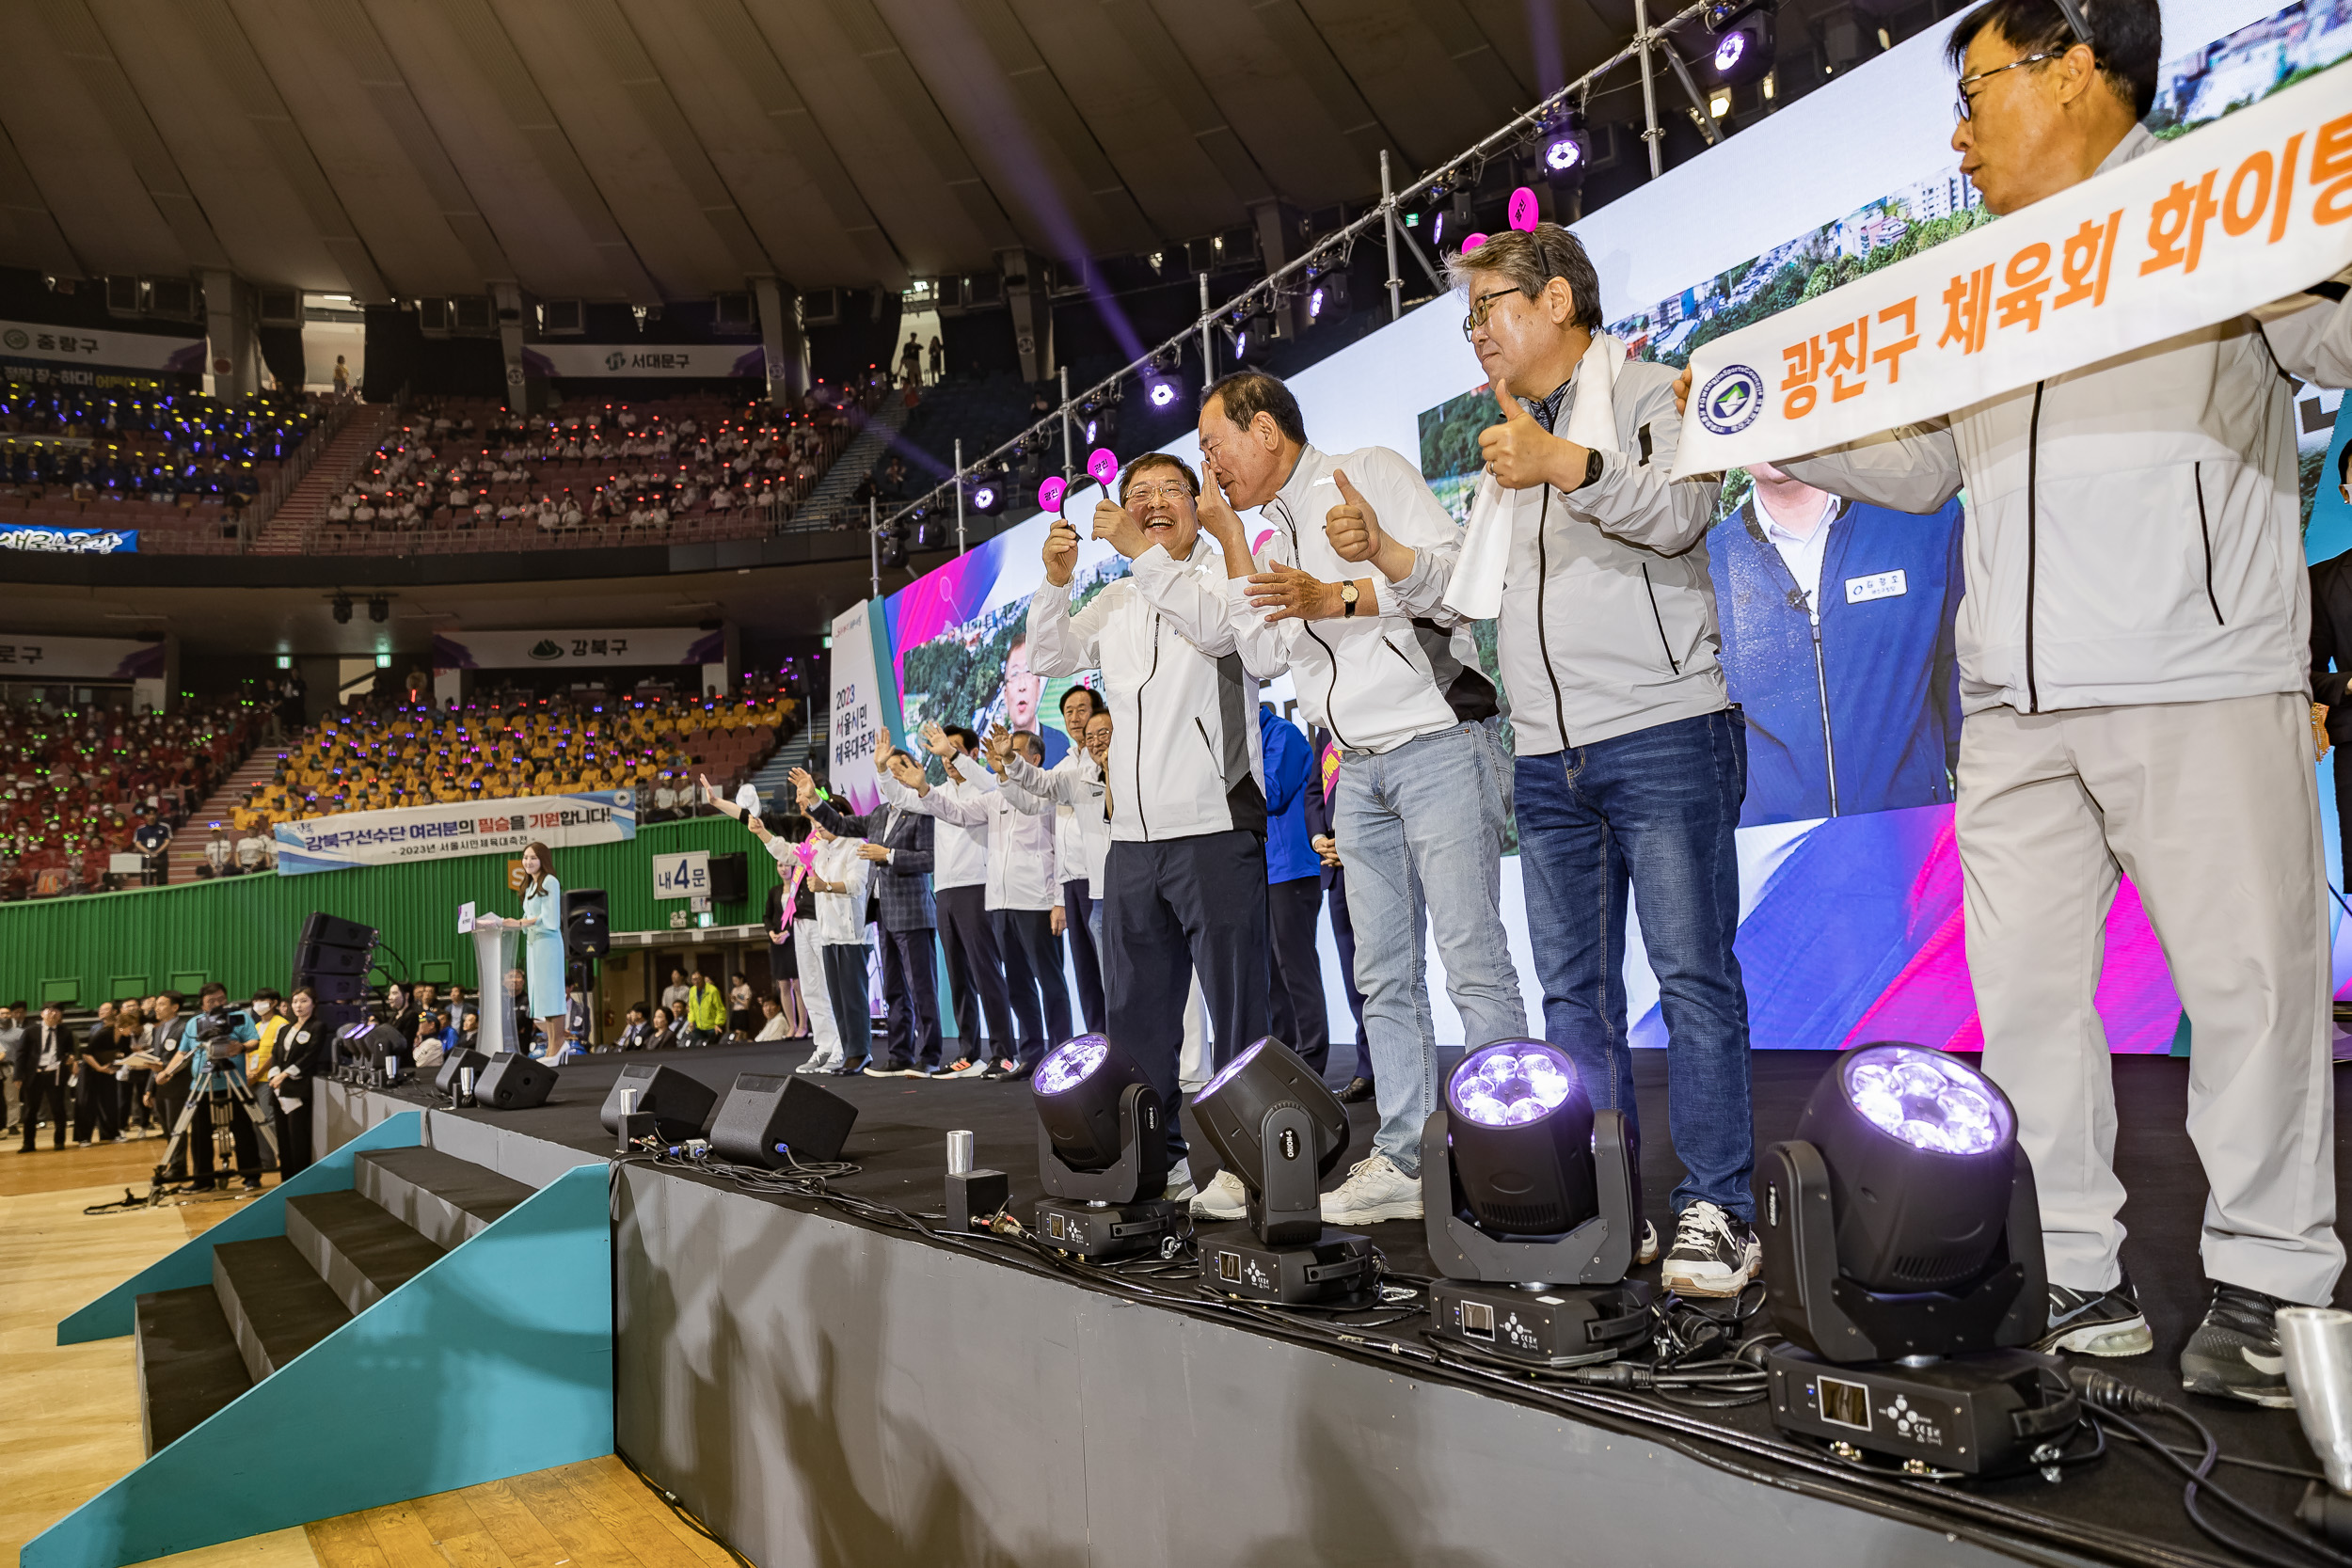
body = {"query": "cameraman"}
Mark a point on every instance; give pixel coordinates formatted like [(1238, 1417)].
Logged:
[(213, 1047)]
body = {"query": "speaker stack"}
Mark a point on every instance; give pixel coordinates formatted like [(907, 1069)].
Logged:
[(333, 958)]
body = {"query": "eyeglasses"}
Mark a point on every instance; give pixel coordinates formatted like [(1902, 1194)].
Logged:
[(1480, 309), (1961, 107), (1135, 494)]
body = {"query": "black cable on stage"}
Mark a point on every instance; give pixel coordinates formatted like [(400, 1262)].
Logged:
[(686, 1516), (1592, 1394), (2109, 1397)]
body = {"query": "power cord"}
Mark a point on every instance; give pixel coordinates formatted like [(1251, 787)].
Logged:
[(2110, 1396)]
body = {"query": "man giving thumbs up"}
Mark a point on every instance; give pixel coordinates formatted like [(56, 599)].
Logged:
[(1424, 793)]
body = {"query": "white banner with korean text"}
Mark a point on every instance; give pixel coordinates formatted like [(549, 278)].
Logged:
[(2233, 215), (466, 828)]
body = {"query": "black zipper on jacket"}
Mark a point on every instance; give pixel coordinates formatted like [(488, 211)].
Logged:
[(2033, 470), (2204, 531), (1672, 663), (1330, 655), (1820, 682), (1543, 637), (1141, 816)]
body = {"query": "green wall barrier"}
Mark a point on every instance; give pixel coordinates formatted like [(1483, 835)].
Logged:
[(241, 930)]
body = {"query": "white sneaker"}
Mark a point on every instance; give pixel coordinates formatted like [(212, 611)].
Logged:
[(1713, 1255), (821, 1062), (1224, 1198), (975, 1070), (1645, 1250), (1374, 1190), (1180, 1188)]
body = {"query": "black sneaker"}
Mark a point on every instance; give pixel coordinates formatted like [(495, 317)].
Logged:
[(2096, 1323), (2234, 1353), (1358, 1091), (1714, 1253)]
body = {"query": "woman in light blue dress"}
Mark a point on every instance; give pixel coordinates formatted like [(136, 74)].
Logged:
[(542, 925)]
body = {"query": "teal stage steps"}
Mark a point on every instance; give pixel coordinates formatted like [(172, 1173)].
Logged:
[(393, 1323)]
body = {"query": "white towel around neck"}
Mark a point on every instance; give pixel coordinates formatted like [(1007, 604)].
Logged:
[(1475, 590)]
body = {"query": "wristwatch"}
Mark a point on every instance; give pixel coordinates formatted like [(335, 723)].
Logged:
[(1347, 599), (1592, 469)]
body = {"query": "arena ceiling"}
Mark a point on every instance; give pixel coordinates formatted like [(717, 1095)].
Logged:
[(650, 149)]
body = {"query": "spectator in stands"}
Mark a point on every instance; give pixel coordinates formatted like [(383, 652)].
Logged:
[(343, 380), (153, 837), (706, 1011), (743, 1014), (939, 359), (253, 851), (771, 1027), (674, 995), (637, 1032), (220, 855), (663, 1035)]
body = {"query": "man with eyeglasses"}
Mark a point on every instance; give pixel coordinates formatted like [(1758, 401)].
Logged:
[(1184, 883), (1631, 760), (1422, 797), (2136, 673)]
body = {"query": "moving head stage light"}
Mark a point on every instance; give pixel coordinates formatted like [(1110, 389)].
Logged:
[(1102, 1146), (1902, 1257), (1280, 1132), (1532, 1200)]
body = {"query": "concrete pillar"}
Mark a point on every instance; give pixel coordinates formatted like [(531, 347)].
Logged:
[(782, 338), (234, 352), (506, 299), (1032, 310)]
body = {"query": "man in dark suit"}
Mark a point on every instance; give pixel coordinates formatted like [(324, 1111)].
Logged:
[(44, 1064), (899, 844)]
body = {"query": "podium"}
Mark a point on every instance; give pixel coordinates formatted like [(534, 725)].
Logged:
[(498, 959)]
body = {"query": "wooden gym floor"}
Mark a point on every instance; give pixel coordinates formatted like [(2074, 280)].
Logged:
[(54, 1257)]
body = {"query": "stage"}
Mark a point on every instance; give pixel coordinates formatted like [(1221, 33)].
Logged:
[(827, 1386)]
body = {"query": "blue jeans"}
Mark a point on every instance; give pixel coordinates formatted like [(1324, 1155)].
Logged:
[(1421, 829), (1653, 810)]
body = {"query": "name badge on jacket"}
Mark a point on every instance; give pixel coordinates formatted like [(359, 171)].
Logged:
[(1879, 585)]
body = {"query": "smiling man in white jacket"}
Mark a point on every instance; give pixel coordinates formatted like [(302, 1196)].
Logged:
[(1184, 884), (1422, 797), (2135, 676)]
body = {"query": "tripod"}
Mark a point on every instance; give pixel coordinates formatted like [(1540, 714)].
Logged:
[(206, 1089)]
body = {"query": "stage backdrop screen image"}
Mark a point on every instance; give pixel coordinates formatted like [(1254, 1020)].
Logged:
[(1851, 922)]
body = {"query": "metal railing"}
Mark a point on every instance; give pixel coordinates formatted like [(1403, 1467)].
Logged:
[(255, 516), (1335, 246)]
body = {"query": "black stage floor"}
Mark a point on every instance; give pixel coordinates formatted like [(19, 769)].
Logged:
[(899, 1146)]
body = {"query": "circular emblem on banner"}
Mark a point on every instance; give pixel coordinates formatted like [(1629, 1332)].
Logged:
[(625, 798), (1731, 399), (616, 360), (223, 365), (15, 339), (514, 375)]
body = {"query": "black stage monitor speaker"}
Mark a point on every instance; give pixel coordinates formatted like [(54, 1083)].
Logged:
[(679, 1106), (336, 932), (455, 1062), (730, 878), (315, 958), (512, 1083), (762, 1111), (326, 986), (587, 922)]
